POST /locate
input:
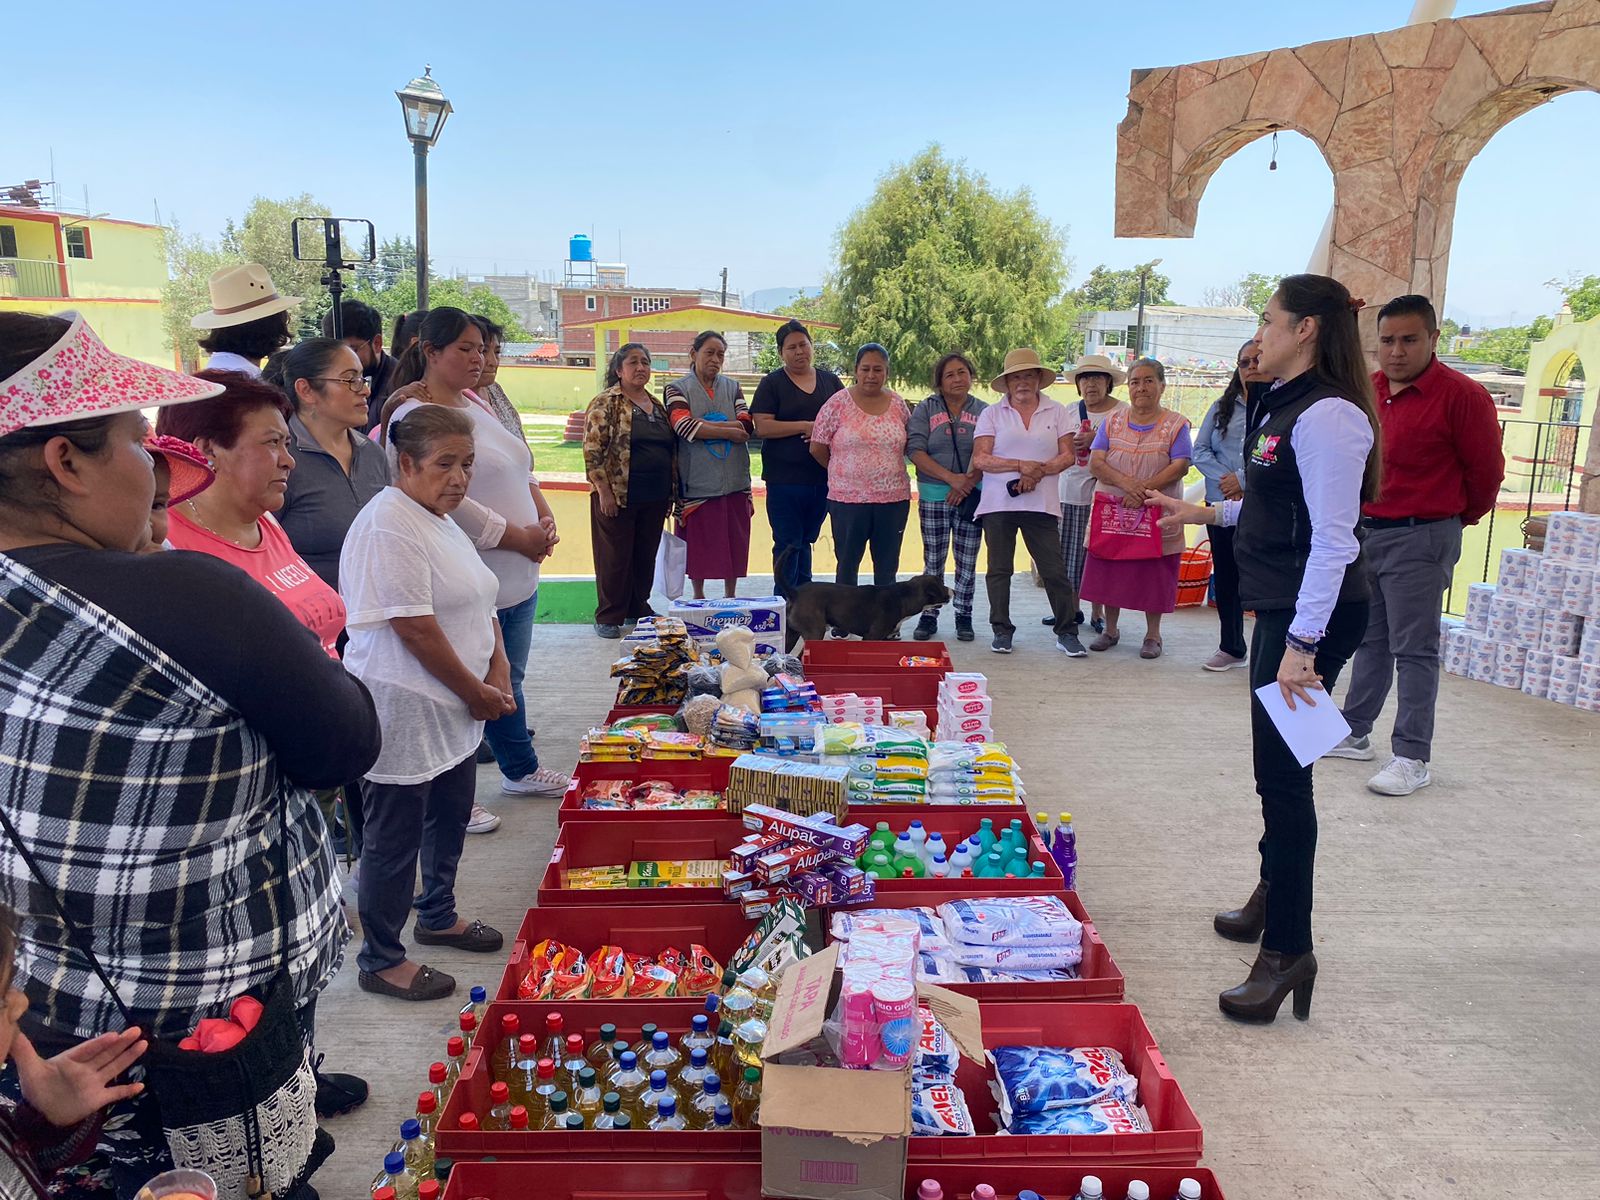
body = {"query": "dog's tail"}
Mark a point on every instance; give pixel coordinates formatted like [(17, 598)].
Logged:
[(780, 583)]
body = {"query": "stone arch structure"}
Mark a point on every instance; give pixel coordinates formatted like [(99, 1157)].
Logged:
[(1397, 115)]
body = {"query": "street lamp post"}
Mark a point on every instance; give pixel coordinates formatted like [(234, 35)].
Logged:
[(426, 111), (1144, 277)]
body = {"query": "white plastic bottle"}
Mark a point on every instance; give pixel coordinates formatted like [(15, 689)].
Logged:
[(919, 839), (1090, 1189), (1138, 1189), (940, 867), (934, 848), (1188, 1189), (961, 860)]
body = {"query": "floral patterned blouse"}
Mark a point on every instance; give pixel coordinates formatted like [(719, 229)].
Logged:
[(866, 454)]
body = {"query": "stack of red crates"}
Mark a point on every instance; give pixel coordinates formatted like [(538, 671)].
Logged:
[(678, 1166)]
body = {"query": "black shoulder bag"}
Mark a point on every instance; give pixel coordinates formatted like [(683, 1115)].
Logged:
[(967, 510), (246, 1115)]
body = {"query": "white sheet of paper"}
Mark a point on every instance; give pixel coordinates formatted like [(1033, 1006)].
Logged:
[(1309, 732)]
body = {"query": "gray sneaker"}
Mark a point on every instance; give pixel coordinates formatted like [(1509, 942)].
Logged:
[(608, 631), (1069, 645), (1001, 643), (1358, 748)]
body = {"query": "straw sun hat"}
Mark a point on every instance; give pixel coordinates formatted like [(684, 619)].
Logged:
[(1021, 360)]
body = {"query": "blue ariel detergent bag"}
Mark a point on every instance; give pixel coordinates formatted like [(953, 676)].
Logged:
[(1034, 1079)]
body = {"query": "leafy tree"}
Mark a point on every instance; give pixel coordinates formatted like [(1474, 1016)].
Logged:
[(1258, 289), (1508, 345), (1111, 291), (191, 260), (826, 350), (938, 260), (400, 296), (1583, 294), (1449, 330)]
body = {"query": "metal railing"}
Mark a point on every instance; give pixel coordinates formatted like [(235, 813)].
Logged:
[(30, 278), (1541, 456)]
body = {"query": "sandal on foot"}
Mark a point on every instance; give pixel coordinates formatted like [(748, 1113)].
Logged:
[(1105, 641), (428, 984), (1151, 648)]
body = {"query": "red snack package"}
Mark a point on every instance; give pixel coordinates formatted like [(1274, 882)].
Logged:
[(648, 979), (672, 959), (555, 972), (610, 978), (701, 974)]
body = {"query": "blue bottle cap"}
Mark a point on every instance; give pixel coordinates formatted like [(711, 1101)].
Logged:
[(1029, 1194), (699, 1022), (712, 1004), (627, 1060), (479, 995), (905, 836), (410, 1128), (394, 1163), (915, 825), (712, 1084), (658, 1079), (723, 1115), (661, 1041), (667, 1107), (939, 858), (697, 1056)]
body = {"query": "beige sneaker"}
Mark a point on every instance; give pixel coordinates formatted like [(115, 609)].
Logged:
[(482, 820)]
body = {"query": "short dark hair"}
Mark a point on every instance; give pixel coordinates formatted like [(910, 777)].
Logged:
[(1412, 306), (938, 367), (220, 419), (788, 327), (871, 348), (490, 330), (614, 366), (362, 322), (705, 336), (406, 326), (253, 340), (1153, 363)]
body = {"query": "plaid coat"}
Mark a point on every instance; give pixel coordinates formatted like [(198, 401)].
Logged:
[(152, 809)]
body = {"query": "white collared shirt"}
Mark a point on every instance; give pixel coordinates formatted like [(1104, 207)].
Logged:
[(227, 360)]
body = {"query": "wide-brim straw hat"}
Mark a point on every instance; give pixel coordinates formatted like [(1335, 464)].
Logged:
[(79, 377), (1021, 360), (240, 295), (1097, 364)]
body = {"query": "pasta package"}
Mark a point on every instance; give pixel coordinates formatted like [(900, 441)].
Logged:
[(609, 978), (555, 972), (648, 979)]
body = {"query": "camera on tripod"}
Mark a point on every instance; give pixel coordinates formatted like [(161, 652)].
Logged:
[(339, 244)]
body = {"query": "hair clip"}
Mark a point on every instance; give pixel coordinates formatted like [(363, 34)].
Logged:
[(1357, 305)]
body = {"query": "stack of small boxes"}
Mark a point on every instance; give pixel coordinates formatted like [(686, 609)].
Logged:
[(787, 785), (808, 859), (966, 713), (846, 707), (1538, 628)]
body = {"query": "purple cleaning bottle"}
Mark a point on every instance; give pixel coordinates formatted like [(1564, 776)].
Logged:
[(1064, 849)]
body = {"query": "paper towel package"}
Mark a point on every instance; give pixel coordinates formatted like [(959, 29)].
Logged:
[(1578, 595), (1480, 660), (1508, 662), (1455, 650), (1536, 674), (707, 618), (1560, 633), (1479, 597), (1518, 570), (1564, 676), (1527, 625), (1588, 694), (1550, 585), (1573, 537)]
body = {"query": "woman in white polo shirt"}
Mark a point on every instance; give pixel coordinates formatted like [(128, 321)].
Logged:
[(1022, 444)]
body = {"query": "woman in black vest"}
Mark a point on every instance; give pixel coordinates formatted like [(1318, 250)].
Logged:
[(1312, 458)]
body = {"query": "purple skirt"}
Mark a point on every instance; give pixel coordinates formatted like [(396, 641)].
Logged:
[(1147, 585), (718, 537)]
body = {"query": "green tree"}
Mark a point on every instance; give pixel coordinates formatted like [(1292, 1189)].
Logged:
[(1507, 345), (1582, 293), (400, 296), (1258, 289), (1449, 328), (1111, 291), (826, 350), (938, 260)]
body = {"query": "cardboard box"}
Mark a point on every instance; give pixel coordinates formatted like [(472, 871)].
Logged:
[(828, 1133), (707, 618)]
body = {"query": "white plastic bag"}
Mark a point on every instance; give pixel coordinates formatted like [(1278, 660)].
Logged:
[(672, 563)]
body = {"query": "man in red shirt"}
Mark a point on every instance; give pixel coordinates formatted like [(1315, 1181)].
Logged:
[(1442, 467)]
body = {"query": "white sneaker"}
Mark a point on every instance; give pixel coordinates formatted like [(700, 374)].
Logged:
[(1400, 777), (1223, 661), (1358, 748), (543, 782), (482, 820)]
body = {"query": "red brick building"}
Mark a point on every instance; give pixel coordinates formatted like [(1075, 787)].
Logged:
[(579, 304)]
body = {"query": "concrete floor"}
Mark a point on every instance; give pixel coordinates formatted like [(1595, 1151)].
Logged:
[(1454, 1046)]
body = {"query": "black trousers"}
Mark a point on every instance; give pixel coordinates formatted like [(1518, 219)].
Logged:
[(1225, 578), (625, 557), (1288, 811), (1041, 534), (858, 526)]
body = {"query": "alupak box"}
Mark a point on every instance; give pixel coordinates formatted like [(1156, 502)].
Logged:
[(828, 1133), (707, 618)]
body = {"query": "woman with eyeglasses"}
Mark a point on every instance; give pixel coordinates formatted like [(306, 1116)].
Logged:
[(1219, 456), (337, 469)]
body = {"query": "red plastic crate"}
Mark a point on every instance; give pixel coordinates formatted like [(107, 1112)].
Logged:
[(683, 1180), (638, 710), (1177, 1139), (711, 773), (591, 843), (637, 928), (881, 657), (471, 1093), (900, 688), (1099, 977)]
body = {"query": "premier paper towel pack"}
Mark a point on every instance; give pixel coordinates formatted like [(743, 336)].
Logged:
[(1538, 628)]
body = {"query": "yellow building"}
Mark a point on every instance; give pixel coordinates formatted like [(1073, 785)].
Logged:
[(110, 271)]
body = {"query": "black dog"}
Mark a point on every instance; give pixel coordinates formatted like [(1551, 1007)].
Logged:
[(869, 611)]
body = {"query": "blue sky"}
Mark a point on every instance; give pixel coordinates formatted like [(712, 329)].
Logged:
[(719, 134)]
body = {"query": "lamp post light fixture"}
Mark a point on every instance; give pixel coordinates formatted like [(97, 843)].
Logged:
[(426, 111), (1144, 278)]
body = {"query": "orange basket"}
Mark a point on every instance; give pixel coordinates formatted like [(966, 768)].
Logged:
[(1194, 575)]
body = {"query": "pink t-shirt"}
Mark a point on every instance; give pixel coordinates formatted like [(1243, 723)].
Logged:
[(866, 454), (275, 566)]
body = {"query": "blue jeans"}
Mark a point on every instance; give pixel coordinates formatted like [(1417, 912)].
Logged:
[(795, 512), (508, 735)]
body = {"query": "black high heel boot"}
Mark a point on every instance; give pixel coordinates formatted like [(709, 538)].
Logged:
[(1244, 924), (1272, 978)]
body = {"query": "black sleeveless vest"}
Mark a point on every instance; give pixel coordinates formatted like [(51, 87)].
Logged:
[(1273, 538)]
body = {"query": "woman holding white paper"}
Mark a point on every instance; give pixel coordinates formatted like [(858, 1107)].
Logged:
[(1312, 458)]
